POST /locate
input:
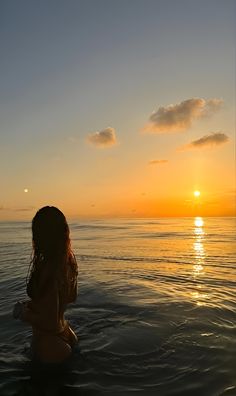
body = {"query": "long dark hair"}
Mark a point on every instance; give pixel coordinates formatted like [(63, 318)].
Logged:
[(51, 251)]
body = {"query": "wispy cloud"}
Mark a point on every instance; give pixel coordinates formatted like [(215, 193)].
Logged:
[(104, 138), (179, 117), (213, 139), (157, 162), (18, 209), (25, 209)]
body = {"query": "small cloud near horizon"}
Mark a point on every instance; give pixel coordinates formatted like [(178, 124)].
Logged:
[(104, 138), (18, 209), (179, 117), (25, 209), (156, 162), (213, 139)]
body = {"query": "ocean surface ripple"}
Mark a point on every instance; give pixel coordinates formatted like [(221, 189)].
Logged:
[(155, 313)]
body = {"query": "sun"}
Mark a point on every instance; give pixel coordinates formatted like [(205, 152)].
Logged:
[(196, 193)]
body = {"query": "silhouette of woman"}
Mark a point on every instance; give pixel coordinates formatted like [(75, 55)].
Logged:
[(51, 285)]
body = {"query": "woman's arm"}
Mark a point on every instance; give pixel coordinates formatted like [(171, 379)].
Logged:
[(27, 315), (47, 315)]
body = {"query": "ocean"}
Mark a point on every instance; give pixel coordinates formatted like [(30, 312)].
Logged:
[(155, 313)]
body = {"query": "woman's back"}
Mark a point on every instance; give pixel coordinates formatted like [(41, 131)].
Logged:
[(52, 284)]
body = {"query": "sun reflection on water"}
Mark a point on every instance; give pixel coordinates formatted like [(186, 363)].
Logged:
[(198, 245), (198, 266), (198, 221)]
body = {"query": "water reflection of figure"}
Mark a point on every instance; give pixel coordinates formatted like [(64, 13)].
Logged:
[(52, 284)]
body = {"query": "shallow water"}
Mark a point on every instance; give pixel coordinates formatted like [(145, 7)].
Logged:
[(155, 314)]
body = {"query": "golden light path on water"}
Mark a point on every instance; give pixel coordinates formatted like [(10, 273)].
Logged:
[(198, 267)]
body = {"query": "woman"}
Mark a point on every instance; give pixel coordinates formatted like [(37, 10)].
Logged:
[(51, 285)]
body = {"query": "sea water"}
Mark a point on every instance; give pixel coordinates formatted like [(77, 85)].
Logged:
[(155, 313)]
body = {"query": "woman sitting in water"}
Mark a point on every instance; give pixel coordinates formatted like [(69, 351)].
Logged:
[(51, 285)]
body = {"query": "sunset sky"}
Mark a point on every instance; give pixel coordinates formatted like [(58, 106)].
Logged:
[(117, 108)]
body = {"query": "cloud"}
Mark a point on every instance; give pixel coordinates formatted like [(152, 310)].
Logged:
[(179, 117), (156, 162), (25, 209), (211, 107), (104, 138), (214, 139), (18, 209)]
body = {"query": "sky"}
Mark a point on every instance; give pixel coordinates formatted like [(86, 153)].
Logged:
[(117, 108)]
